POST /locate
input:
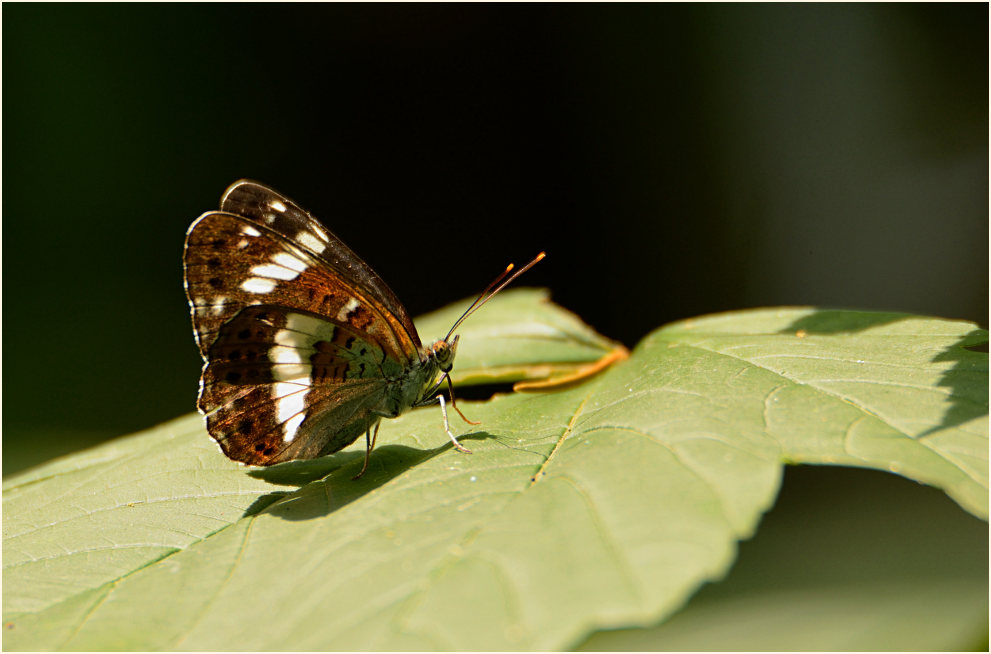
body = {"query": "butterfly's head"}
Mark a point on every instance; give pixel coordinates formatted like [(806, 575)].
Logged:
[(443, 352)]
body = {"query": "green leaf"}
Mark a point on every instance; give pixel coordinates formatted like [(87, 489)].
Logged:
[(848, 560), (521, 335), (882, 390), (604, 505)]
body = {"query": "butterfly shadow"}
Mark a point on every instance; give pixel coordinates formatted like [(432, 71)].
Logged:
[(327, 484)]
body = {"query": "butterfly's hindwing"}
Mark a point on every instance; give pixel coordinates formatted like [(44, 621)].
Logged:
[(268, 344), (282, 384), (282, 421)]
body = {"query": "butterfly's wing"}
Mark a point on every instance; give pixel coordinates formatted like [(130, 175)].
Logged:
[(281, 258), (286, 218), (232, 262), (282, 384)]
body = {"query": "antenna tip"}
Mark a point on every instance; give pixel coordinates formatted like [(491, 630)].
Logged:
[(540, 256)]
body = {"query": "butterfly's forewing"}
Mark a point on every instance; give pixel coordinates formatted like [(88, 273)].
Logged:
[(232, 262), (283, 216), (298, 334)]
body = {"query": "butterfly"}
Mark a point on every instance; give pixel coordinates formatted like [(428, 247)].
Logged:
[(305, 348)]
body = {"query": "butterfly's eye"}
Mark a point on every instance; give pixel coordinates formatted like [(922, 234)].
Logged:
[(444, 354)]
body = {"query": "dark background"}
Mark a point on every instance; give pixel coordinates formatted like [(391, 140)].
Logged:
[(672, 160)]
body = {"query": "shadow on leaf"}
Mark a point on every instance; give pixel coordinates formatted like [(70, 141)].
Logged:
[(303, 471), (338, 488), (967, 381), (838, 320)]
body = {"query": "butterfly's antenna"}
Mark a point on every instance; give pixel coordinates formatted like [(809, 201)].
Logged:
[(482, 294), (486, 295)]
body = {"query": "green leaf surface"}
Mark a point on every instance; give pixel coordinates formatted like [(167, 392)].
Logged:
[(881, 390), (847, 560), (604, 505)]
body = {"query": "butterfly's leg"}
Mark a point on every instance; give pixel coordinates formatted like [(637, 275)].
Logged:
[(369, 444), (454, 403), (433, 389), (450, 387), (447, 427)]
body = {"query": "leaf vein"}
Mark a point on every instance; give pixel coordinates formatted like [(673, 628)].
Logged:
[(848, 400), (223, 584), (568, 430), (115, 507)]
